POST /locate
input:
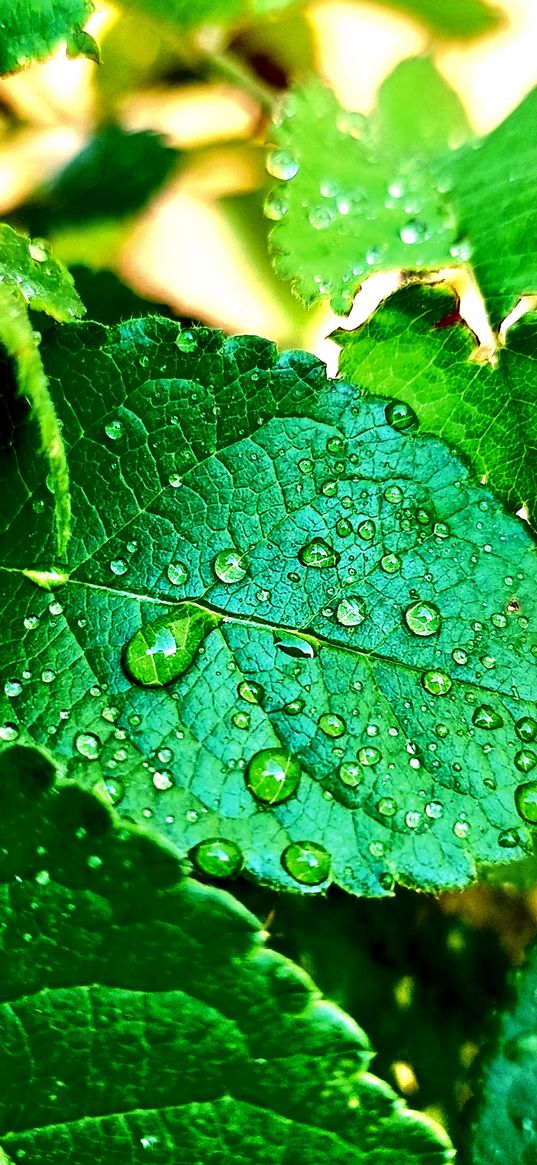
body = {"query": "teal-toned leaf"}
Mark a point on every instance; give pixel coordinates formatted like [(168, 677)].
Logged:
[(30, 30), (487, 412), (140, 1012), (458, 20), (362, 695), (356, 194), (114, 175), (506, 1126), (492, 192)]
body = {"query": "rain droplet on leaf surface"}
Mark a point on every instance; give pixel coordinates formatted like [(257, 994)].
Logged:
[(351, 611), (400, 416), (217, 857), (281, 164), (486, 717), (88, 745), (250, 691), (332, 724), (318, 554), (526, 729), (273, 775), (526, 801), (350, 774), (178, 573), (307, 862), (162, 650), (230, 566), (369, 755), (525, 760), (436, 682), (367, 530), (423, 618), (390, 563)]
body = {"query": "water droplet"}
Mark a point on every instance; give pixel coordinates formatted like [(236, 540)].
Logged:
[(499, 620), (31, 622), (250, 691), (38, 248), (230, 566), (8, 731), (387, 806), (434, 810), (178, 573), (318, 554), (12, 688), (343, 527), (412, 819), (294, 707), (55, 609), (297, 646), (486, 717), (525, 760), (413, 231), (423, 619), (305, 466), (307, 862), (436, 682), (320, 217), (332, 724), (241, 720), (400, 416), (390, 563), (281, 164), (336, 445), (114, 430), (526, 729), (217, 857), (275, 206), (162, 650), (394, 495), (526, 801), (48, 676), (461, 829), (441, 529), (273, 775), (175, 480), (460, 656), (369, 755), (508, 838), (350, 774), (351, 611), (110, 790), (367, 530), (118, 566), (88, 745), (162, 780)]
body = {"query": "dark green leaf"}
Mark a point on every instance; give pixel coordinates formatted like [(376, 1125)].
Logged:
[(492, 189), (30, 30), (487, 412), (140, 1012), (457, 20), (357, 195), (356, 713), (506, 1128)]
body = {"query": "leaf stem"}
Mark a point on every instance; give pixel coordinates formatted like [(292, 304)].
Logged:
[(230, 67)]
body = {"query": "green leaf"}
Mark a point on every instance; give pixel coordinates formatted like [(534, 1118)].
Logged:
[(492, 190), (140, 1011), (356, 713), (458, 20), (30, 277), (489, 413), (506, 1126), (184, 14), (30, 30), (358, 195)]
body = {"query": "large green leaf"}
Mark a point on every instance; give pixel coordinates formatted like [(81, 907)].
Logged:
[(358, 195), (506, 1127), (336, 652), (493, 193), (140, 1012), (487, 412), (31, 29), (460, 19)]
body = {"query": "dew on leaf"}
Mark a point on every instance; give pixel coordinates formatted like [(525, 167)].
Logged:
[(178, 573), (110, 790), (526, 801), (368, 755), (390, 563), (461, 829), (307, 862), (413, 231), (442, 731), (12, 688), (296, 646), (114, 430), (119, 566), (274, 206), (351, 611), (412, 819), (273, 775), (387, 806), (162, 780), (526, 729), (343, 527), (8, 731), (441, 529), (318, 554), (486, 717), (394, 495), (350, 774), (436, 682), (320, 217), (250, 691), (217, 857), (434, 810), (88, 745), (336, 445), (525, 760), (367, 530), (48, 676), (508, 838), (230, 566), (332, 724), (423, 618), (162, 650), (281, 164), (400, 416), (305, 466), (241, 720), (460, 656), (294, 707)]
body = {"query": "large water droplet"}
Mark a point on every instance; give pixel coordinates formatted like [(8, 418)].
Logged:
[(526, 801), (119, 566), (434, 810), (110, 790), (526, 729), (250, 691), (350, 774), (343, 527), (297, 646), (294, 707), (88, 745), (387, 806), (241, 720), (525, 760), (178, 573), (114, 430), (273, 775), (400, 415), (218, 857), (486, 717), (369, 755), (275, 206), (390, 563), (230, 566), (281, 164), (351, 611), (394, 494), (12, 688), (437, 682), (186, 341), (508, 838), (413, 231), (367, 530), (423, 619), (307, 862), (8, 731), (161, 651), (332, 724), (318, 554)]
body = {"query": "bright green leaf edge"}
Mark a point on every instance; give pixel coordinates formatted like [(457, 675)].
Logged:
[(30, 30), (154, 1019)]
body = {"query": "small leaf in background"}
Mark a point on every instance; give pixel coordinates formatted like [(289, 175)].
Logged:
[(183, 14), (489, 413), (506, 1124), (458, 20), (154, 1020), (492, 190), (362, 708), (31, 30), (357, 194)]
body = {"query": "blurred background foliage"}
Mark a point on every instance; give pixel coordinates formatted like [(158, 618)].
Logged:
[(147, 175)]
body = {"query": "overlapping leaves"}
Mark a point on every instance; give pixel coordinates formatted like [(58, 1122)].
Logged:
[(30, 30), (358, 700), (140, 1012)]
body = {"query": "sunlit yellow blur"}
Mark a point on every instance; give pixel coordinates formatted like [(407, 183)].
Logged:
[(187, 249)]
